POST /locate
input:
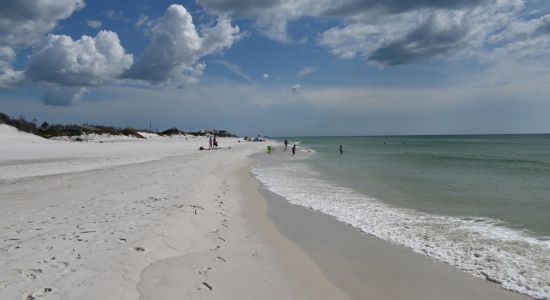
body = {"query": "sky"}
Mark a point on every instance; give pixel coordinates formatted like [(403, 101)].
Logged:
[(280, 67)]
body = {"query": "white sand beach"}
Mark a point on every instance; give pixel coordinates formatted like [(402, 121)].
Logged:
[(147, 219), (159, 219)]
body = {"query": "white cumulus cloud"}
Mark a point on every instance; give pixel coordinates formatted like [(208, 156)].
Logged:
[(23, 22), (88, 61), (176, 46), (68, 66), (8, 76)]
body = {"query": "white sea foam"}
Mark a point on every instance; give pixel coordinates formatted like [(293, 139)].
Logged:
[(480, 246), (306, 150)]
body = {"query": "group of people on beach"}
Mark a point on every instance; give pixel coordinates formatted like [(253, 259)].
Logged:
[(293, 147), (212, 143)]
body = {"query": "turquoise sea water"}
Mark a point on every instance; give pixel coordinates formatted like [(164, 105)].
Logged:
[(501, 177), (479, 202)]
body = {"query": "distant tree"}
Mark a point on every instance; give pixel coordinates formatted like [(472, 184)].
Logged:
[(171, 131), (4, 119)]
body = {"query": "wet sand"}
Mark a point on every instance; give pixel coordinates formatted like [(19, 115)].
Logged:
[(366, 267)]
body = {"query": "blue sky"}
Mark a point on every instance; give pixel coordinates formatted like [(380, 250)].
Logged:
[(280, 67)]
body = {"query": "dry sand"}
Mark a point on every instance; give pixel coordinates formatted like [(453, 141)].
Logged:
[(169, 228)]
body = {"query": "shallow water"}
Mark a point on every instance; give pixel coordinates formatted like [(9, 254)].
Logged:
[(481, 203)]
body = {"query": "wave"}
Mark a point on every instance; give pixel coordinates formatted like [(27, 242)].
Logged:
[(483, 247), (307, 150)]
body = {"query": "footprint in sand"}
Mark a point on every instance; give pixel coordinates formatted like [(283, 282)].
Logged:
[(59, 264), (40, 293), (139, 249), (205, 271), (65, 272), (31, 274)]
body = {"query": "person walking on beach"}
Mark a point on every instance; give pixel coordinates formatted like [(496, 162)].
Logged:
[(210, 143), (286, 144), (215, 143), (294, 150)]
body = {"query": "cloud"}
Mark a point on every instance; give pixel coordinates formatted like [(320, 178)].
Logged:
[(265, 76), (296, 88), (8, 76), (235, 69), (63, 96), (360, 39), (66, 68), (543, 26), (7, 56), (176, 47), (96, 24), (408, 37), (426, 41), (355, 7), (23, 22), (116, 15), (111, 13), (394, 32), (524, 38), (89, 61), (272, 17), (306, 71), (143, 21)]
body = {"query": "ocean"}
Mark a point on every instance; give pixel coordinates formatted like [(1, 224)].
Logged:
[(478, 202)]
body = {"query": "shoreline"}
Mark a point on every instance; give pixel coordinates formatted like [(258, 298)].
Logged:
[(306, 275), (365, 266)]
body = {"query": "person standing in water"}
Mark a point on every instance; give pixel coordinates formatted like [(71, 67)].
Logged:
[(341, 150), (286, 144), (294, 150)]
